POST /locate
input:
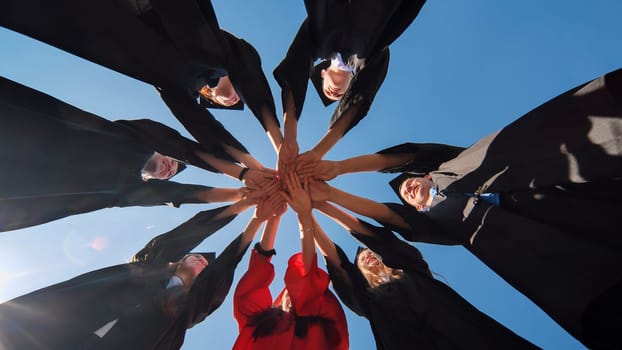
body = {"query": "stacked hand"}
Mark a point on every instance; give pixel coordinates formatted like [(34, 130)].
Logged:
[(263, 183), (297, 194), (288, 152), (324, 170)]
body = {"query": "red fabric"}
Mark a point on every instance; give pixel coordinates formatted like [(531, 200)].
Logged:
[(310, 297)]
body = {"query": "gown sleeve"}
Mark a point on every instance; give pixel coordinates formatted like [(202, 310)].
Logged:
[(363, 89), (293, 72), (249, 79), (193, 27), (200, 123), (252, 294), (308, 291), (213, 283), (159, 192), (306, 288), (422, 228), (173, 245), (169, 142), (427, 157)]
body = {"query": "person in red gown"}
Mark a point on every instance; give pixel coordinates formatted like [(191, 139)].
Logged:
[(305, 315)]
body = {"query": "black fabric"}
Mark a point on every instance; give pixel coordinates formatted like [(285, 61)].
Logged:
[(426, 157), (364, 28), (415, 311), (72, 162), (148, 316), (554, 238), (177, 47)]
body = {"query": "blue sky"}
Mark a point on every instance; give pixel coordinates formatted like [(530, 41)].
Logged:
[(461, 71)]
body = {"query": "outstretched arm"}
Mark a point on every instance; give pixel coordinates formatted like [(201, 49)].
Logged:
[(171, 246), (334, 134), (272, 128), (327, 170), (321, 191), (298, 197), (288, 151)]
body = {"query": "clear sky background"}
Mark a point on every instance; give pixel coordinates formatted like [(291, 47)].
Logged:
[(461, 71)]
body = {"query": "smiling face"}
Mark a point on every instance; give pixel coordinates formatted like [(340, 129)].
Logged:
[(416, 192), (223, 94), (367, 259), (160, 167), (335, 82)]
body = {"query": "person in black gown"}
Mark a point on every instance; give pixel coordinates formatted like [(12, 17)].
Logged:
[(391, 285), (145, 304), (66, 161), (538, 202), (351, 40)]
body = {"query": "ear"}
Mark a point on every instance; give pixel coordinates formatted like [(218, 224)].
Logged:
[(419, 207), (323, 73)]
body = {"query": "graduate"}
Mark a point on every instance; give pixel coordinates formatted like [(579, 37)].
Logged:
[(176, 46), (391, 285), (305, 314), (65, 161), (350, 40), (539, 202), (145, 304)]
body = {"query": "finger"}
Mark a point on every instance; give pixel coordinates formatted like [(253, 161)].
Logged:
[(290, 182), (297, 180), (270, 172), (305, 169), (285, 196), (306, 184)]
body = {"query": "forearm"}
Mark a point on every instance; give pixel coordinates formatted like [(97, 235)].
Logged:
[(305, 223), (335, 132), (272, 129), (250, 231), (235, 208), (224, 166), (290, 122), (244, 158), (325, 244), (222, 195), (269, 233), (365, 207)]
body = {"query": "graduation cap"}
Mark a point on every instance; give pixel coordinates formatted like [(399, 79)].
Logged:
[(207, 103), (181, 166), (210, 256), (318, 81)]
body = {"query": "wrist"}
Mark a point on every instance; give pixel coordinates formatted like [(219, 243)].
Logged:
[(243, 173), (267, 253)]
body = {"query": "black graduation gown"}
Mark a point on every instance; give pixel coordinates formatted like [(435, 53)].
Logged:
[(64, 161), (416, 311), (133, 296), (150, 43), (555, 237), (363, 27)]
